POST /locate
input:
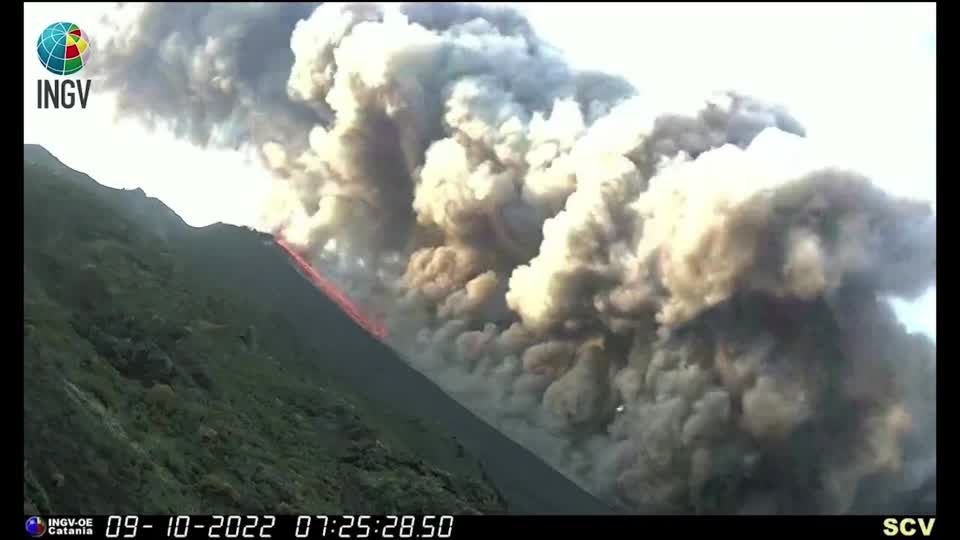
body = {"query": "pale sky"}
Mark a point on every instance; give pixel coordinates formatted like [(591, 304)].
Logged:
[(860, 77)]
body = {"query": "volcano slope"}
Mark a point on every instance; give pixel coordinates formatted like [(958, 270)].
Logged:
[(175, 369)]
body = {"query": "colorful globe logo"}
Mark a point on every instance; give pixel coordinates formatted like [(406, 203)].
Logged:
[(36, 526), (63, 48)]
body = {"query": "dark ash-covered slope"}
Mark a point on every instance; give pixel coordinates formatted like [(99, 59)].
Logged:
[(169, 368)]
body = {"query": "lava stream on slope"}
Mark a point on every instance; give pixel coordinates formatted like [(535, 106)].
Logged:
[(334, 293)]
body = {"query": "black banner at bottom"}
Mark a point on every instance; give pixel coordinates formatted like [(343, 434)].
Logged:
[(421, 527)]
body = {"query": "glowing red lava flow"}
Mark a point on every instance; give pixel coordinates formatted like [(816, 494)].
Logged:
[(345, 302)]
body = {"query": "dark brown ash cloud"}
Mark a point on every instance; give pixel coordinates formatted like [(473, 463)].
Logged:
[(655, 301)]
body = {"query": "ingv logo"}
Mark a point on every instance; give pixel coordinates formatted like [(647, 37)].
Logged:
[(63, 49), (908, 526)]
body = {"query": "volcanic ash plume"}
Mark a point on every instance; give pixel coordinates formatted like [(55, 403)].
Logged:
[(673, 307)]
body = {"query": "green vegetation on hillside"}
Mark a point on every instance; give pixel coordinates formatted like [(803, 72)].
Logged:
[(148, 390)]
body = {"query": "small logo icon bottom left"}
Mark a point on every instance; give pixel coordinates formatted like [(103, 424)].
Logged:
[(36, 527)]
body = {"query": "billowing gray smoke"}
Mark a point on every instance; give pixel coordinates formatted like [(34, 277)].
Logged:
[(213, 73), (665, 305)]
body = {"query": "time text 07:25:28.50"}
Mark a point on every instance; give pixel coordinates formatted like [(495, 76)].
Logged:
[(303, 526)]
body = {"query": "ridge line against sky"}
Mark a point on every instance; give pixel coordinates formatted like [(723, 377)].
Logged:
[(859, 76)]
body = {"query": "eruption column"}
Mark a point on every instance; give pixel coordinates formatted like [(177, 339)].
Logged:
[(666, 305)]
